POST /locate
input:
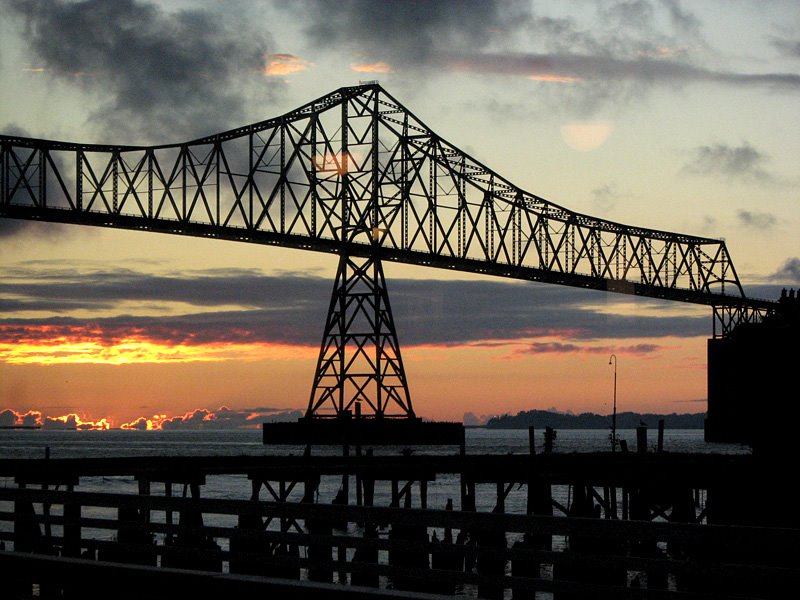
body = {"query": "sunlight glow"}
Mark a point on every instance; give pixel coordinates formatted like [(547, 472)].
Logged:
[(284, 64), (585, 136), (333, 162), (74, 421)]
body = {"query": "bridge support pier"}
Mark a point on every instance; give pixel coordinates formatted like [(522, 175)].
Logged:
[(360, 368)]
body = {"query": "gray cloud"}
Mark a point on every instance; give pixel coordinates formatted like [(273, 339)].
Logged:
[(770, 288), (223, 418), (629, 47), (788, 273), (163, 74), (593, 68), (786, 47), (15, 227), (709, 224), (638, 13), (10, 228), (683, 21), (733, 162), (252, 307), (562, 348), (412, 32), (756, 220), (606, 196)]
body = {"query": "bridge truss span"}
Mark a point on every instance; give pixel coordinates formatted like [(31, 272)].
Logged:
[(356, 172)]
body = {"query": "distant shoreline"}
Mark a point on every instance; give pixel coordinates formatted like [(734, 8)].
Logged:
[(625, 420)]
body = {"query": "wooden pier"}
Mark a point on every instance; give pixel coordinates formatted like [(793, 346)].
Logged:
[(600, 525)]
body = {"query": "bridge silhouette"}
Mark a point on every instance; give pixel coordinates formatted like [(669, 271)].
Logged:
[(356, 173)]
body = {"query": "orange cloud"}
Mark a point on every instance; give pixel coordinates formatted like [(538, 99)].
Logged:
[(203, 418), (284, 64), (557, 347), (199, 418), (377, 67), (74, 421), (552, 78)]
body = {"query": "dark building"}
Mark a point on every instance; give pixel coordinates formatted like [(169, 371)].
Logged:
[(753, 381)]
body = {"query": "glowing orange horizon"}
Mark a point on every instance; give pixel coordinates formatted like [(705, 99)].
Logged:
[(193, 419), (55, 344)]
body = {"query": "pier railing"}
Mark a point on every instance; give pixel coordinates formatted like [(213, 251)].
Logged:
[(65, 541)]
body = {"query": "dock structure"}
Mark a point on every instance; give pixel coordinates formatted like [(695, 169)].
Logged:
[(600, 525)]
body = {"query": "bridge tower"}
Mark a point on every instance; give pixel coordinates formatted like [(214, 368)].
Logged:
[(360, 368)]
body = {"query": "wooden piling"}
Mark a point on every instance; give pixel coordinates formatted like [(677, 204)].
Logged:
[(491, 560), (641, 439), (446, 556), (72, 528), (549, 439)]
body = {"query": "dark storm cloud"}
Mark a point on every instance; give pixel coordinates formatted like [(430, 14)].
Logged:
[(756, 220), (251, 307), (410, 32), (102, 289), (735, 162), (613, 59), (164, 74)]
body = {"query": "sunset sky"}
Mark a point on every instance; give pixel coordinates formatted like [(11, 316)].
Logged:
[(679, 116)]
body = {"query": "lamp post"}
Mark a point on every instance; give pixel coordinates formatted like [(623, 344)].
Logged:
[(614, 413)]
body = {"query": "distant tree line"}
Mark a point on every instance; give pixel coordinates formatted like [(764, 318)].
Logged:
[(625, 420)]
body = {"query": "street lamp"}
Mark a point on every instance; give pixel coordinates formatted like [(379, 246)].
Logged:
[(614, 413)]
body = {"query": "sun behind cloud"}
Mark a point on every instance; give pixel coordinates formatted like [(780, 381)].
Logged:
[(585, 136)]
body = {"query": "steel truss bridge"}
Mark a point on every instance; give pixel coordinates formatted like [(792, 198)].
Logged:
[(356, 173)]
